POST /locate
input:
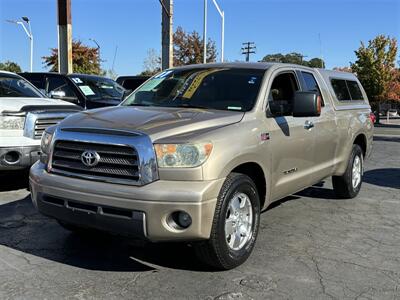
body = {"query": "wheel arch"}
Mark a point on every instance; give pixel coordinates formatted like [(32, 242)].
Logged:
[(255, 171)]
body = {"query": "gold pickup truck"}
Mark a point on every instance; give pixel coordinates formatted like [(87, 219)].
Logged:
[(196, 152)]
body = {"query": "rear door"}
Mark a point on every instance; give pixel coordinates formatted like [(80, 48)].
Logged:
[(292, 143)]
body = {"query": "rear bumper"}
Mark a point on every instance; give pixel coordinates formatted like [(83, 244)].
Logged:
[(127, 210), (14, 158)]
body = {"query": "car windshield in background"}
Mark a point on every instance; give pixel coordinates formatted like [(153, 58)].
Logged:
[(12, 86), (98, 88), (210, 88)]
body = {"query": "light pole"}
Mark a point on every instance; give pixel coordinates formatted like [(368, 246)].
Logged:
[(222, 14), (98, 47), (28, 33)]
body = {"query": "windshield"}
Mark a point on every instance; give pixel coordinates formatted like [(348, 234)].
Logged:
[(210, 88), (98, 88), (13, 86)]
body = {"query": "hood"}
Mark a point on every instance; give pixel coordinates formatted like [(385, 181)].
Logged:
[(17, 104), (157, 122)]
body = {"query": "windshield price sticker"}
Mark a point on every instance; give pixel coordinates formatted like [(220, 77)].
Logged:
[(86, 90)]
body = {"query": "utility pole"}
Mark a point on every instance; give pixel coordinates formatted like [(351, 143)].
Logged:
[(249, 48), (64, 36), (167, 57)]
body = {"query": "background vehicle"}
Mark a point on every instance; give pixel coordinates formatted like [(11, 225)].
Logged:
[(131, 82), (87, 91), (197, 152), (392, 113), (24, 115)]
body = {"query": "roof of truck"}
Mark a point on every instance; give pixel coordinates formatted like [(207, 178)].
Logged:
[(262, 66)]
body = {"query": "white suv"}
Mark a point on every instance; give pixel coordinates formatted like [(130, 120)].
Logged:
[(24, 114)]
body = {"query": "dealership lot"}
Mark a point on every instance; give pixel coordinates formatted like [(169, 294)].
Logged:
[(310, 245)]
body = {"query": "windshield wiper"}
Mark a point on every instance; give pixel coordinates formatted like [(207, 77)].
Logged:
[(192, 106), (139, 104)]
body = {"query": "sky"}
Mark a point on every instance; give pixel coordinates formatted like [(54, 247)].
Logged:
[(332, 29)]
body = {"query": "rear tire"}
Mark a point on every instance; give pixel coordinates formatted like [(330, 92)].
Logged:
[(235, 224), (348, 185)]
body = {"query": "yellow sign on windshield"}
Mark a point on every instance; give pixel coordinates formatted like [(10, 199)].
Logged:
[(197, 81)]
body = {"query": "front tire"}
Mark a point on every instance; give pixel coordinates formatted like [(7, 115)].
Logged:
[(348, 185), (235, 224)]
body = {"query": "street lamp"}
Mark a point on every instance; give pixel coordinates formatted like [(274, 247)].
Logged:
[(98, 46), (222, 14), (28, 33)]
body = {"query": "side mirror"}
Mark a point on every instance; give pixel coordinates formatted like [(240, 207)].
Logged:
[(306, 104), (57, 94)]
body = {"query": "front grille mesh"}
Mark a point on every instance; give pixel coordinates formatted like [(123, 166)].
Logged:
[(42, 123), (120, 162)]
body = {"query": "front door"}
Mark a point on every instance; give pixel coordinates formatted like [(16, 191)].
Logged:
[(292, 140)]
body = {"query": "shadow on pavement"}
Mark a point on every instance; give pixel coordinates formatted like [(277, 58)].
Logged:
[(388, 177), (387, 139), (23, 229), (14, 180)]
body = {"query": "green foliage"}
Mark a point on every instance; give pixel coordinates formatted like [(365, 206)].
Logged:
[(316, 63), (85, 59), (375, 64), (10, 67), (294, 58)]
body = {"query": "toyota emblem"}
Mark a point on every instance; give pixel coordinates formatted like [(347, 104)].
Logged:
[(90, 158)]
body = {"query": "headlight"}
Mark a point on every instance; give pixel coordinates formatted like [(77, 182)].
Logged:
[(11, 122), (45, 146), (182, 155)]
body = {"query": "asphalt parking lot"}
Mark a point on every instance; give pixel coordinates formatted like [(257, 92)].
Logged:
[(311, 246)]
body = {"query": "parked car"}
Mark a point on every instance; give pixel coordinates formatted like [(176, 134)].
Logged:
[(392, 113), (197, 152), (24, 115), (87, 91), (131, 83)]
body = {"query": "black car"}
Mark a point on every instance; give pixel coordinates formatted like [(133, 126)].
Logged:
[(88, 91), (130, 83)]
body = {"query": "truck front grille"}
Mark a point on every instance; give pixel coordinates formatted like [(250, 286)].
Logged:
[(114, 161), (42, 124)]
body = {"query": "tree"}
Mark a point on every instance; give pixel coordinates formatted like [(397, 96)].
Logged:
[(294, 58), (85, 59), (10, 66), (316, 63), (393, 88), (188, 48), (374, 66), (152, 63)]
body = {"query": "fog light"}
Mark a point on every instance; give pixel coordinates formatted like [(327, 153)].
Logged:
[(179, 220), (184, 220), (12, 157)]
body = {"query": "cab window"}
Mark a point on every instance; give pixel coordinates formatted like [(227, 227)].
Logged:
[(59, 85), (311, 84), (282, 93)]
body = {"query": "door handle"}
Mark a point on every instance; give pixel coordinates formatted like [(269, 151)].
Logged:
[(308, 125)]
